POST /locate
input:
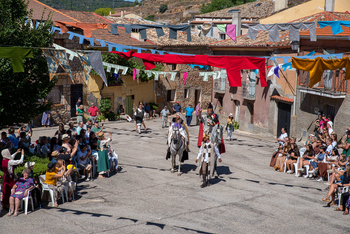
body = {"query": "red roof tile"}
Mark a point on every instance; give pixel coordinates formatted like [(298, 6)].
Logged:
[(283, 99)]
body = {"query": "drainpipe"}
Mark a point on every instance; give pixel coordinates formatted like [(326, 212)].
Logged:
[(295, 85)]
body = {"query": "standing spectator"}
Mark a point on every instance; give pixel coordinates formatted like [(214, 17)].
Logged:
[(317, 124), (139, 115), (93, 112), (80, 113), (230, 128), (103, 160), (198, 113), (164, 115), (12, 137), (9, 178), (72, 129), (148, 111), (177, 107), (189, 112), (78, 103), (45, 120), (88, 124)]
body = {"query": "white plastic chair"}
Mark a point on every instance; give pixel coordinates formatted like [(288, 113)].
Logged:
[(343, 190), (25, 200), (45, 187)]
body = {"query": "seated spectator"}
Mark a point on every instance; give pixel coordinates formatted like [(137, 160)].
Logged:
[(96, 128), (329, 147), (275, 155), (27, 131), (59, 133), (334, 138), (337, 170), (317, 147), (54, 156), (289, 163), (87, 133), (282, 138), (12, 137), (324, 135), (36, 192), (282, 157), (310, 140), (83, 164), (330, 127), (72, 128), (20, 190), (122, 114), (51, 177), (67, 156), (54, 144), (346, 145), (88, 124), (65, 180), (82, 136), (45, 147), (24, 141), (80, 127), (308, 155), (320, 157), (113, 157), (4, 139), (334, 187)]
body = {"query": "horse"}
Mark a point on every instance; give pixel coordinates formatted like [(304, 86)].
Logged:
[(177, 147), (217, 134)]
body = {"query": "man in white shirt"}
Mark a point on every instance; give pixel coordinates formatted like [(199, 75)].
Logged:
[(208, 153), (282, 138), (83, 164)]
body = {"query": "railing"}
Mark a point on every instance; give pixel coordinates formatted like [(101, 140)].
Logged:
[(332, 81)]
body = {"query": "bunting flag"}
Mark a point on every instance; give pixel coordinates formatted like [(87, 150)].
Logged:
[(137, 74), (71, 53), (116, 68), (231, 31), (207, 74), (275, 70), (86, 27), (92, 60), (56, 58), (16, 54), (185, 77), (133, 74)]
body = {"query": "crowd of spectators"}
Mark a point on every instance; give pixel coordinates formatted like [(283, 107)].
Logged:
[(75, 154), (323, 156)]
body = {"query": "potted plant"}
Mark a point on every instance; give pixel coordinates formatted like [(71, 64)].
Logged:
[(105, 106)]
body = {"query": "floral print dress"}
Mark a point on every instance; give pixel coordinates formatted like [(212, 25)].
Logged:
[(22, 184)]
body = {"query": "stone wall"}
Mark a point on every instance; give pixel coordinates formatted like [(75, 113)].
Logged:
[(307, 106)]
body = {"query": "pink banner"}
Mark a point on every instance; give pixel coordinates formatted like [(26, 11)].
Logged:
[(133, 74), (185, 77), (231, 31)]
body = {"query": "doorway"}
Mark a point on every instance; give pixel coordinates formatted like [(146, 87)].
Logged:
[(283, 120), (128, 107), (197, 97), (76, 92)]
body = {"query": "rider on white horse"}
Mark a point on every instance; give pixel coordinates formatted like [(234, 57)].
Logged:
[(178, 123)]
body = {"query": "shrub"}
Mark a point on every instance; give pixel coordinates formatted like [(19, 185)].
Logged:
[(105, 105), (163, 8), (104, 11), (39, 167), (150, 17), (110, 116)]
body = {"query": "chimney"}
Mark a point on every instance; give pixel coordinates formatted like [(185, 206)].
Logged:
[(329, 5), (122, 14), (236, 19), (280, 4)]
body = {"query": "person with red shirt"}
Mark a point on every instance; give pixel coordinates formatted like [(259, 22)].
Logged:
[(93, 111)]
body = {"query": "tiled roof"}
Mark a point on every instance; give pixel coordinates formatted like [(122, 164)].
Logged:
[(284, 99), (262, 39), (105, 34), (252, 10), (39, 8), (164, 40)]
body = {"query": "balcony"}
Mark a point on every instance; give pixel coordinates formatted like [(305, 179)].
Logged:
[(332, 84)]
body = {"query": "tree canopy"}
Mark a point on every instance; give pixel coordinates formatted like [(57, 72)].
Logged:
[(163, 8), (217, 5), (21, 94), (104, 11)]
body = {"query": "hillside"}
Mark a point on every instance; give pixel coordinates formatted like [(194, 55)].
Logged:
[(178, 10), (85, 5)]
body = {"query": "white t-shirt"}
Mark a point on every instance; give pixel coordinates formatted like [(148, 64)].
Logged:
[(329, 150), (82, 155), (283, 136)]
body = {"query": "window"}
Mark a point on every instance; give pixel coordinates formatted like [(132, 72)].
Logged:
[(186, 91), (55, 94), (171, 95), (222, 36), (173, 67)]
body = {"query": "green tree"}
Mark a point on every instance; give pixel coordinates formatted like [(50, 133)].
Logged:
[(216, 5), (104, 11), (163, 8), (21, 93), (136, 3)]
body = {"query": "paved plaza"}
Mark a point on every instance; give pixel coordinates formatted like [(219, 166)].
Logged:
[(144, 197)]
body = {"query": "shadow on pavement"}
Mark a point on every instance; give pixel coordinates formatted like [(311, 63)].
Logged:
[(185, 168), (223, 170), (78, 212)]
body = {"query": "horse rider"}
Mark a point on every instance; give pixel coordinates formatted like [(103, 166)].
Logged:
[(178, 122), (207, 156), (212, 118)]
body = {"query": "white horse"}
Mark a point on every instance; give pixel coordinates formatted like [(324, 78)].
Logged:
[(217, 134), (177, 147)]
